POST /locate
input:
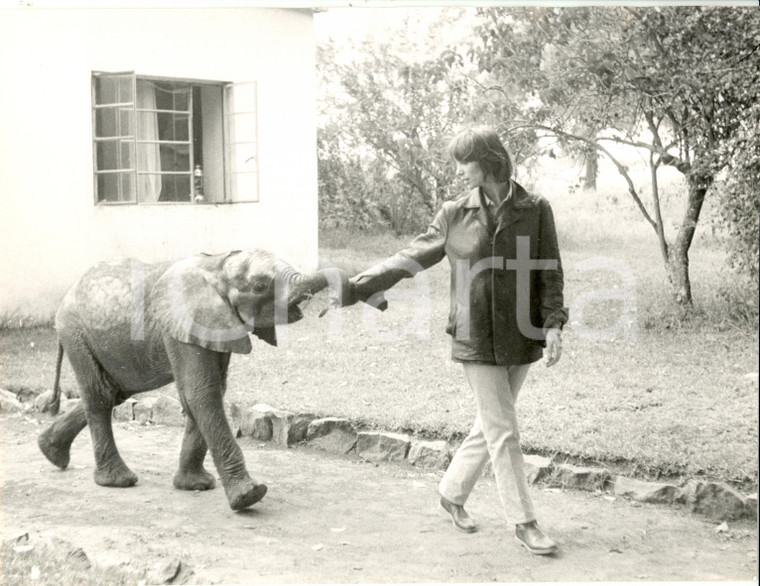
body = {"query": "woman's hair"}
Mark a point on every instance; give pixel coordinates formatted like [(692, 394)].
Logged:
[(482, 145)]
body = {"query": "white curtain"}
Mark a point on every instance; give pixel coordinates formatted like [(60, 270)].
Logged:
[(148, 154)]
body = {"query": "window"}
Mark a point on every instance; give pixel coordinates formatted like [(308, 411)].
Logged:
[(169, 140)]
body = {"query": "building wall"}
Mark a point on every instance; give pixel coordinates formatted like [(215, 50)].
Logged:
[(50, 227)]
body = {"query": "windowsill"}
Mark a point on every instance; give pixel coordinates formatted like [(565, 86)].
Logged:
[(171, 203)]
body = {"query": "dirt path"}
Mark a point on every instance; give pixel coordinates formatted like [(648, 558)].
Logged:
[(329, 520)]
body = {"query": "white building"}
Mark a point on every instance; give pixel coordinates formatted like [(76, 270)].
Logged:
[(154, 134)]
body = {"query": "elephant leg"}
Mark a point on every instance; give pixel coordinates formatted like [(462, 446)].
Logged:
[(99, 396), (200, 375), (55, 442), (192, 475), (110, 468)]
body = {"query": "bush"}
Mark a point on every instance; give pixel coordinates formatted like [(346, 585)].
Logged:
[(740, 198), (357, 194)]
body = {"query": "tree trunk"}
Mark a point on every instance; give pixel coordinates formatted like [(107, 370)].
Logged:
[(678, 262), (678, 274), (592, 169)]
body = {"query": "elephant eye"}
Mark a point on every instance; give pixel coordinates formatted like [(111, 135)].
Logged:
[(260, 286)]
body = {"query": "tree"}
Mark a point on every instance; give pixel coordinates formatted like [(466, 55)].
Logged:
[(387, 113), (674, 82), (342, 184), (740, 196)]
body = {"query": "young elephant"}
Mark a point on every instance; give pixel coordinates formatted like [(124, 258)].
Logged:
[(129, 327)]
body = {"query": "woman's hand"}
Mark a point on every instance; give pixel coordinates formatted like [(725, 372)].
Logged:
[(347, 294), (553, 346)]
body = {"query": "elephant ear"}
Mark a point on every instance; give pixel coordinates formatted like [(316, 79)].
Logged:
[(269, 335), (189, 306)]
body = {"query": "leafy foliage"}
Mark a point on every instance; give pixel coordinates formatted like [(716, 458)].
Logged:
[(675, 85), (674, 82), (740, 196), (343, 201), (387, 116)]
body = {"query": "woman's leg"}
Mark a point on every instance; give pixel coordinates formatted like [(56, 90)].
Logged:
[(466, 467), (495, 435)]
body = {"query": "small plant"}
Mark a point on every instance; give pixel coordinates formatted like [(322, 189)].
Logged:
[(22, 564)]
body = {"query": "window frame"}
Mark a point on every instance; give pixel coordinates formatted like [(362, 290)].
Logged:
[(227, 119)]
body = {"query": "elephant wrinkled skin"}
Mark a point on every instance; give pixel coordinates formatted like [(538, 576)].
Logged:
[(129, 327)]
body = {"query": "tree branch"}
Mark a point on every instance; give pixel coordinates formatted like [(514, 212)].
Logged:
[(620, 167), (666, 158)]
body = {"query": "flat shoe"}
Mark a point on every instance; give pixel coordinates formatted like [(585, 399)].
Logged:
[(535, 540), (459, 516)]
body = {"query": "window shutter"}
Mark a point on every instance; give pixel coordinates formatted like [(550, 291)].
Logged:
[(113, 130), (242, 147)]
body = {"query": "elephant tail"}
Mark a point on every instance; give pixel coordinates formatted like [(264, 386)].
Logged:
[(53, 405)]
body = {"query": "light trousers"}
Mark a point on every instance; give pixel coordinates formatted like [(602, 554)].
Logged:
[(493, 436)]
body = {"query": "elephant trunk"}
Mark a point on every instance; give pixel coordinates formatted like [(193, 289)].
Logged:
[(303, 286), (300, 286)]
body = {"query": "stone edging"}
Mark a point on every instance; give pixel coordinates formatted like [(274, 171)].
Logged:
[(716, 500)]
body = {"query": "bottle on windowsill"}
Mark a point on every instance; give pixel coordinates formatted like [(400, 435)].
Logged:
[(198, 184)]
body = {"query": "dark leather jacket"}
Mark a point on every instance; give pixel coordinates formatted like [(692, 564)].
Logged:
[(512, 300)]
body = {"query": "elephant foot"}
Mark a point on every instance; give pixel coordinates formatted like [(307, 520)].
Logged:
[(118, 477), (200, 480), (244, 494), (56, 451)]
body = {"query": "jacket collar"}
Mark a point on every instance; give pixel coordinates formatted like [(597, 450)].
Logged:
[(520, 197)]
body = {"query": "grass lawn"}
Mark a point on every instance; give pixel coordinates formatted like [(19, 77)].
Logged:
[(657, 396)]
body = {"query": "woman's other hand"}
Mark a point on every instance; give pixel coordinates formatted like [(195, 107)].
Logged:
[(553, 346)]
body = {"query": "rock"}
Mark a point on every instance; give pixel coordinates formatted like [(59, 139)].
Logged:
[(78, 557), (429, 454), (569, 476), (27, 395), (645, 492), (167, 411), (61, 549), (144, 409), (165, 573), (264, 423), (125, 411), (299, 427), (281, 421), (42, 400), (537, 468), (750, 506), (9, 403), (256, 424), (18, 538), (332, 434), (235, 418), (714, 499), (41, 403), (752, 377), (382, 447)]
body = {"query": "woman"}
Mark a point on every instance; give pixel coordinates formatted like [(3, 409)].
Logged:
[(506, 306)]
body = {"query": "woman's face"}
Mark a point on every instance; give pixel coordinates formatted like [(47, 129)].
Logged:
[(472, 173)]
